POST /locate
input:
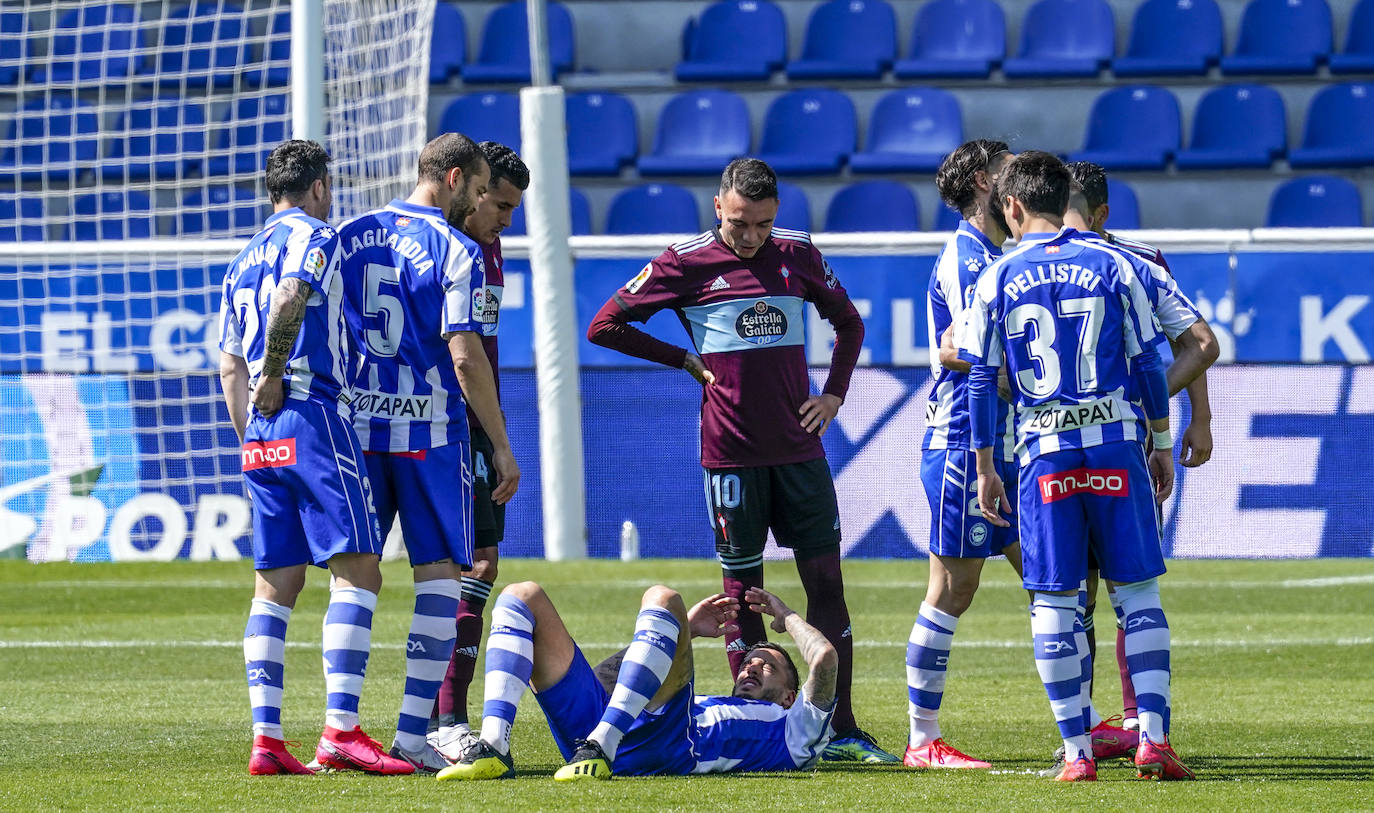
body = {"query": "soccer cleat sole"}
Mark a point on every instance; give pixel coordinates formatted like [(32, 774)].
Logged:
[(265, 763), (586, 769), (488, 768), (330, 758)]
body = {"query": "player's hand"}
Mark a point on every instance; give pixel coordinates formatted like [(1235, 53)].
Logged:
[(507, 476), (818, 411), (1197, 445), (713, 616), (992, 497), (763, 602), (1004, 384), (268, 395), (694, 365), (1161, 463)]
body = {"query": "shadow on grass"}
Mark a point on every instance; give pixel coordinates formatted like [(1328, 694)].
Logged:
[(1225, 768)]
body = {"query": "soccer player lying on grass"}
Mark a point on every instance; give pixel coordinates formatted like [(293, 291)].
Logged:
[(636, 714)]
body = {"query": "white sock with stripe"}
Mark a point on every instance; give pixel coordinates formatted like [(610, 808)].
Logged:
[(264, 657), (1060, 667), (510, 662), (433, 631), (927, 659), (1147, 653), (643, 670), (347, 645)]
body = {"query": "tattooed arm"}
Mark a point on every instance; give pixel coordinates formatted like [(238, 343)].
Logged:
[(822, 662), (283, 325)]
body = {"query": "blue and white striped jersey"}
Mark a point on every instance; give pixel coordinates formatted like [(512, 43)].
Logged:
[(948, 295), (292, 245), (1066, 313), (740, 734), (411, 281)]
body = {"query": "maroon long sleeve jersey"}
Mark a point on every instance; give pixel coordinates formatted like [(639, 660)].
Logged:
[(495, 289), (745, 317)]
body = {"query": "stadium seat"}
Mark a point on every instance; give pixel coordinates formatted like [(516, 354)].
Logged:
[(1236, 126), (110, 216), (232, 210), (448, 43), (1064, 38), (1339, 131), (735, 40), (1281, 37), (1133, 127), (1358, 56), (13, 34), (254, 128), (203, 45), (1123, 206), (603, 133), (277, 53), (946, 219), (1315, 201), (809, 132), (484, 117), (505, 52), (699, 132), (57, 138), (847, 39), (794, 210), (910, 130), (1172, 38), (653, 209), (955, 39), (161, 137), (110, 45), (579, 212), (21, 217), (873, 206)]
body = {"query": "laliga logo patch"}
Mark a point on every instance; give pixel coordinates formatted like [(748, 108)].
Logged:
[(485, 306), (762, 324), (314, 262), (642, 277), (265, 454)]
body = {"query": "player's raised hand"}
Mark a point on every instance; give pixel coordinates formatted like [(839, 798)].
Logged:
[(818, 411), (1161, 463), (1197, 445), (694, 365), (507, 476), (713, 616), (992, 496), (763, 602), (268, 395)]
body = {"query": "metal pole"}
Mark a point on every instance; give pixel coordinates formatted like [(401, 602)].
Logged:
[(541, 75), (307, 69)]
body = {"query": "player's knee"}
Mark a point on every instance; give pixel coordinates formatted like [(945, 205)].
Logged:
[(525, 591), (661, 596)]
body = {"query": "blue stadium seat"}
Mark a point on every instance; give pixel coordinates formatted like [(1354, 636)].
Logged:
[(21, 216), (1132, 127), (579, 213), (955, 39), (149, 134), (232, 211), (1339, 131), (110, 216), (109, 44), (484, 117), (277, 53), (735, 40), (1358, 56), (1172, 38), (203, 45), (13, 35), (699, 132), (946, 219), (873, 206), (603, 133), (505, 53), (1064, 38), (847, 39), (58, 138), (1123, 210), (254, 128), (1236, 126), (809, 132), (910, 130), (448, 43), (1316, 201), (653, 209), (794, 209), (1280, 37)]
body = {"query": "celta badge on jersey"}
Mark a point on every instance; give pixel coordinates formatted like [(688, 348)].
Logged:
[(314, 262), (642, 277), (269, 454)]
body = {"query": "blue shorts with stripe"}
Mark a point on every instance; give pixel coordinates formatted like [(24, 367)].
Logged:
[(311, 496), (432, 491), (957, 527), (657, 742), (1097, 500)]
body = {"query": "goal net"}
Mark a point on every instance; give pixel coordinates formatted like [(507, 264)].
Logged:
[(130, 174)]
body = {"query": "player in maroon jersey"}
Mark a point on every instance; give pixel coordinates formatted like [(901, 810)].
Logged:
[(740, 289), (509, 179)]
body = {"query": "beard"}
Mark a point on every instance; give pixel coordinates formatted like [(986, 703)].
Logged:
[(460, 207)]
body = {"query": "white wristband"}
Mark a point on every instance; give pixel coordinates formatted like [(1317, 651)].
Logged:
[(1162, 440)]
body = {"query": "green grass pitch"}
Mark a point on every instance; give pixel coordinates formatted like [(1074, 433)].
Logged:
[(122, 688)]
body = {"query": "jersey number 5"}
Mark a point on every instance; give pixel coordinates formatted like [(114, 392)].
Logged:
[(1039, 326), (382, 310)]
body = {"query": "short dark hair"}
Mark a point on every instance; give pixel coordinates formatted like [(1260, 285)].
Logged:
[(750, 177), (954, 179), (505, 165), (1037, 179), (1093, 178), (1078, 202), (292, 167), (446, 152), (794, 683)]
